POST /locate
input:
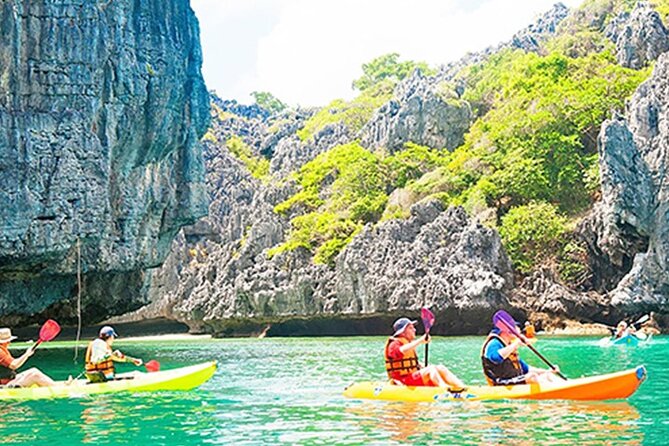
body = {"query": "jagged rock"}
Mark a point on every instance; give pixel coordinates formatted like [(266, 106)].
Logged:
[(437, 258), (253, 111), (422, 112), (634, 160), (640, 36), (542, 292), (530, 38), (99, 130), (291, 153)]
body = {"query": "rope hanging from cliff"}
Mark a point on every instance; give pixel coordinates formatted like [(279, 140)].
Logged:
[(76, 345)]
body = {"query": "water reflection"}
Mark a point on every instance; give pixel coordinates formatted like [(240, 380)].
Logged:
[(521, 423)]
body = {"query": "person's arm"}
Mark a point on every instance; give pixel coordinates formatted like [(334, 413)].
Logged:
[(117, 356), (415, 343), (18, 362), (504, 352)]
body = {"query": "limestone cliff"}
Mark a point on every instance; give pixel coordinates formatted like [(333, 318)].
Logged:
[(102, 105)]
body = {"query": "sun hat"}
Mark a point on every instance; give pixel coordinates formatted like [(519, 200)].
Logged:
[(6, 335), (107, 331), (401, 324)]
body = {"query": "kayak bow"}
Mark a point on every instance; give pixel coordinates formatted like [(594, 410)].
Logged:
[(184, 378), (602, 387)]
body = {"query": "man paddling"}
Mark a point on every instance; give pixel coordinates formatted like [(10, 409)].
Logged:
[(503, 367), (9, 365), (100, 358), (402, 362)]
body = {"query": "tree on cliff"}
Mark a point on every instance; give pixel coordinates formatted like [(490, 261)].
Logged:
[(268, 101), (387, 67)]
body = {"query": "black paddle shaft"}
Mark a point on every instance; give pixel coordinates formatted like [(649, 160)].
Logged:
[(544, 359)]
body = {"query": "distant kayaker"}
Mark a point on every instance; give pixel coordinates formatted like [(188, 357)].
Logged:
[(503, 367), (100, 358), (9, 365), (529, 330), (622, 330), (402, 362)]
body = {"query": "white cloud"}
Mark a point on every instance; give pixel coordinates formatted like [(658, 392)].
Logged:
[(312, 50)]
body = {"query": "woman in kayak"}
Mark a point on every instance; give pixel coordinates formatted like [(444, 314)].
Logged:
[(100, 358), (503, 367), (9, 365), (623, 330), (402, 362)]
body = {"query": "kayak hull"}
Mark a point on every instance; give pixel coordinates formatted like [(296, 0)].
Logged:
[(595, 388), (629, 340), (184, 378)]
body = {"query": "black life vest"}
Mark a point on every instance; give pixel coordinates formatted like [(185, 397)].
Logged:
[(105, 367), (507, 369), (400, 367)]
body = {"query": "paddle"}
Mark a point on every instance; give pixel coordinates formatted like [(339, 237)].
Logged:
[(505, 322), (152, 366), (642, 320), (49, 330), (428, 321)]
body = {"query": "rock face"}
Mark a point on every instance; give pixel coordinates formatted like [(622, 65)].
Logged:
[(634, 161), (640, 36), (530, 38), (424, 112), (437, 257), (99, 131)]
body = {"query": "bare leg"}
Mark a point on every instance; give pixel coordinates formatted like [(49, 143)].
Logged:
[(438, 375), (450, 377), (31, 377)]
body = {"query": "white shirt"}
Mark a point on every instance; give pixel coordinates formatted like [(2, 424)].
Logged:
[(100, 351)]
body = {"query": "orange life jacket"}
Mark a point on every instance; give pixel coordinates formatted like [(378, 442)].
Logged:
[(400, 367), (509, 368), (529, 331), (105, 367)]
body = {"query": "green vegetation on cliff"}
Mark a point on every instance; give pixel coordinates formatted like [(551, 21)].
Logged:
[(354, 113), (342, 190), (257, 165), (388, 67), (531, 150)]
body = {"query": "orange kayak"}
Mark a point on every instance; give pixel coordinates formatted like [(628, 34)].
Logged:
[(602, 387)]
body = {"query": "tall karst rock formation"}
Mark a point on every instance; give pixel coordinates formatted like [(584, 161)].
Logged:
[(102, 105)]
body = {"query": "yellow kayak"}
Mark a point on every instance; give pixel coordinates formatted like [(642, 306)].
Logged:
[(184, 378), (602, 387)]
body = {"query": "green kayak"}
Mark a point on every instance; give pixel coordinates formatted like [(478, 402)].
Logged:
[(184, 378)]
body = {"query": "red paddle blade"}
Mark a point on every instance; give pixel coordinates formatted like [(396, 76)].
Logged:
[(428, 318), (505, 322), (49, 330), (152, 366)]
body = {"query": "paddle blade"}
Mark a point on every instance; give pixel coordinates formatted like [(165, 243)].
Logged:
[(642, 320), (152, 366), (505, 322), (49, 330), (428, 318)]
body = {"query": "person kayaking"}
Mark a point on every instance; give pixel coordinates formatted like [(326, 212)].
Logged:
[(100, 358), (402, 362), (529, 330), (503, 367), (9, 365), (621, 331)]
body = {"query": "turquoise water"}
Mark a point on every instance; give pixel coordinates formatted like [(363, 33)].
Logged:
[(288, 391)]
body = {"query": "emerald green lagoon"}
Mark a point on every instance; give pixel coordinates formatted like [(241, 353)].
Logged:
[(288, 391)]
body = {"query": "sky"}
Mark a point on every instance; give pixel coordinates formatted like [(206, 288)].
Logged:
[(307, 52)]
